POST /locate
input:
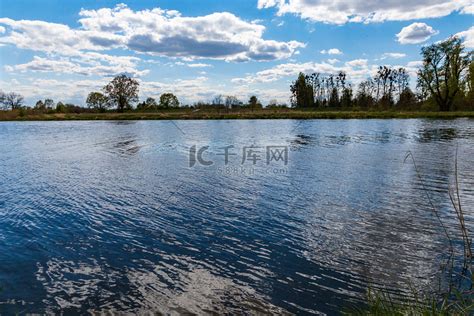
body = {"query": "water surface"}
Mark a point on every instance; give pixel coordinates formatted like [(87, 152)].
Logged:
[(109, 216)]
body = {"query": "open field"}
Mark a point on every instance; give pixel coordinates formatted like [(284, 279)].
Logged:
[(188, 114)]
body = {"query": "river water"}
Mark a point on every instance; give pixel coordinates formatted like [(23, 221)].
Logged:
[(149, 216)]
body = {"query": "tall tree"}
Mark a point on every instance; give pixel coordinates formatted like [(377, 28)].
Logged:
[(302, 92), (346, 98), (40, 105), (385, 79), (122, 91), (168, 100), (470, 84), (443, 66), (365, 94), (402, 81), (98, 101), (254, 103)]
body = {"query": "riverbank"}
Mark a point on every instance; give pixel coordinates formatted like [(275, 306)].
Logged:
[(189, 114)]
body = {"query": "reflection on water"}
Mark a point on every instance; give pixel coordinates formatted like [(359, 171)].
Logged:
[(437, 134), (105, 217), (127, 147)]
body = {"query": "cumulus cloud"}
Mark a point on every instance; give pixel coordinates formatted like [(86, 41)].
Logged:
[(356, 69), (47, 37), (416, 33), (393, 55), (57, 89), (468, 9), (361, 11), (468, 36), (156, 32), (199, 65), (357, 63), (332, 51), (415, 64), (81, 66), (220, 35)]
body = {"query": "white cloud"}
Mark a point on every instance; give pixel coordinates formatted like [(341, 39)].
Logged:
[(158, 32), (468, 36), (57, 89), (357, 63), (468, 9), (199, 65), (50, 37), (356, 70), (332, 51), (415, 64), (362, 11), (416, 33), (220, 35), (76, 91), (393, 55), (2, 30), (79, 66)]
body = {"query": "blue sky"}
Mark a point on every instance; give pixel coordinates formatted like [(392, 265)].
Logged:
[(198, 49)]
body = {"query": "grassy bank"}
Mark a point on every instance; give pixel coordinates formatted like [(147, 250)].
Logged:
[(188, 114)]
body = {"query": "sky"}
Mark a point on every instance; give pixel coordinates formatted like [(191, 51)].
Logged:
[(199, 49)]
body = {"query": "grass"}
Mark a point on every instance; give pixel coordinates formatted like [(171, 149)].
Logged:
[(379, 303), (189, 114)]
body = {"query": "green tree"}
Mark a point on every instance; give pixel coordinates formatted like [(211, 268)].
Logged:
[(254, 103), (40, 105), (148, 104), (60, 107), (302, 92), (97, 101), (122, 91), (346, 99), (441, 74), (470, 86), (407, 100), (168, 100), (365, 94)]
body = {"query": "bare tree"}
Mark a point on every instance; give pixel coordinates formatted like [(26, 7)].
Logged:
[(49, 103), (11, 100), (231, 101), (2, 100), (218, 100)]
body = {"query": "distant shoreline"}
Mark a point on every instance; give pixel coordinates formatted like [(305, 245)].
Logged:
[(187, 114)]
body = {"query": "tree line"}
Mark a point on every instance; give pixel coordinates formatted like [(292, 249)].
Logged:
[(445, 81)]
